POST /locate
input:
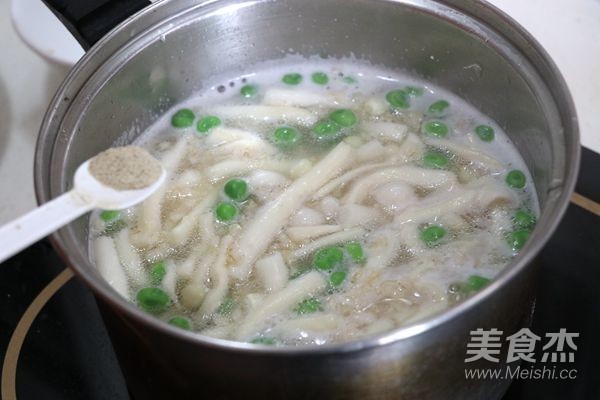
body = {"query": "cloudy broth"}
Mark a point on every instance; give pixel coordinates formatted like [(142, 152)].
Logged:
[(317, 202)]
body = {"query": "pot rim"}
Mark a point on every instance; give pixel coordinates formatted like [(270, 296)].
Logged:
[(94, 58)]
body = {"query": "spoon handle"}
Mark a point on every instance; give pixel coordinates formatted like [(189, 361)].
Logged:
[(38, 223)]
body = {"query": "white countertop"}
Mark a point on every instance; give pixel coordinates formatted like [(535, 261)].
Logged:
[(568, 29), (27, 83)]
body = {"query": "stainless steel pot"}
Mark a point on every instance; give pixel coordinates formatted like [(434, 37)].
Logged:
[(164, 53)]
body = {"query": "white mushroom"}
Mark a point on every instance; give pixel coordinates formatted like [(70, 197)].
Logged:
[(307, 216), (272, 272), (298, 98), (304, 233), (266, 185), (395, 196), (273, 216), (298, 289), (387, 131), (268, 114), (351, 215)]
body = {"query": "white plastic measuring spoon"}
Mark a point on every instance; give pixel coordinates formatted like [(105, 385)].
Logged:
[(88, 193)]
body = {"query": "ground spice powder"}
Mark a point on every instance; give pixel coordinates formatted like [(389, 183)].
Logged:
[(125, 168)]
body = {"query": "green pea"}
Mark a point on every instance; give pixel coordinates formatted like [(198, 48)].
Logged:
[(226, 211), (113, 227), (432, 235), (349, 80), (516, 179), (248, 91), (438, 107), (398, 99), (355, 251), (320, 78), (337, 278), (326, 128), (524, 220), (292, 79), (476, 282), (343, 117), (328, 257), (153, 300), (236, 189), (226, 306), (183, 118), (181, 322), (109, 215), (266, 340), (285, 136), (158, 270), (436, 128), (414, 91), (485, 133), (517, 239), (207, 123), (436, 160), (309, 306)]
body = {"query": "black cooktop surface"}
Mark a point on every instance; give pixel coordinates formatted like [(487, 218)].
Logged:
[(54, 345)]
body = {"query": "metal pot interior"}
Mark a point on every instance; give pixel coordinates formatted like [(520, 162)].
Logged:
[(165, 54)]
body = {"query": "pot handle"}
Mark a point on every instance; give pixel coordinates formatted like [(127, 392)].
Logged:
[(90, 20)]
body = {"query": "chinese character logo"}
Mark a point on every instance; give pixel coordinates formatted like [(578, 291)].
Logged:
[(487, 344), (559, 339), (521, 346), (484, 344)]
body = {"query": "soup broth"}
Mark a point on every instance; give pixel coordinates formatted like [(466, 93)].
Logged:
[(317, 203)]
